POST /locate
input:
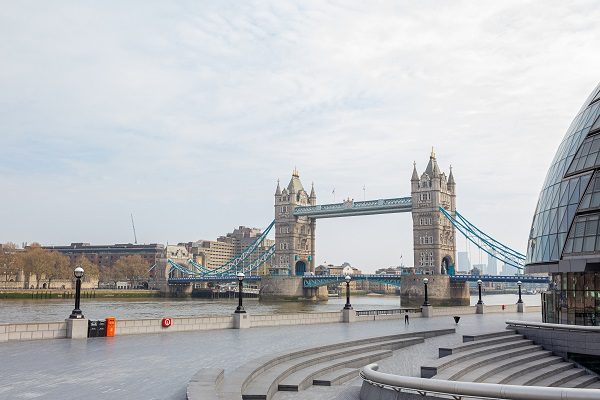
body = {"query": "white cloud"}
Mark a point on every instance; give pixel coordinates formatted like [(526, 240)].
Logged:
[(187, 112)]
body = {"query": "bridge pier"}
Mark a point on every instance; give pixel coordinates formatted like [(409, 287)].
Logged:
[(273, 287), (441, 291)]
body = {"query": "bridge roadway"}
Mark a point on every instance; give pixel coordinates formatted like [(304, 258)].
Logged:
[(351, 208), (394, 280), (159, 366)]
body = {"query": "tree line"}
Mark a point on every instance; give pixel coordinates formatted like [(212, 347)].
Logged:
[(56, 266)]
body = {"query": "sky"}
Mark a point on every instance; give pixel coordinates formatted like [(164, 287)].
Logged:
[(185, 113)]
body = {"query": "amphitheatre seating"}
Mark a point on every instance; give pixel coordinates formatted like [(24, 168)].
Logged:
[(321, 366), (506, 358)]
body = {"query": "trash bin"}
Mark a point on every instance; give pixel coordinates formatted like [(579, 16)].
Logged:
[(92, 328), (101, 328), (111, 326)]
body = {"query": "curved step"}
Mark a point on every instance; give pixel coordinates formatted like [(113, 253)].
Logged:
[(594, 385), (561, 377), (516, 366), (482, 336), (458, 370), (265, 384), (531, 378), (437, 366), (302, 379), (580, 382), (446, 351), (336, 377)]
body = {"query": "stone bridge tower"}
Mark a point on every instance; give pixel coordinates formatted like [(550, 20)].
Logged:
[(434, 240), (294, 236)]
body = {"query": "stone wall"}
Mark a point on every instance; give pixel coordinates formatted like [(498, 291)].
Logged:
[(295, 319), (281, 287), (33, 331), (562, 342), (154, 325), (440, 290)]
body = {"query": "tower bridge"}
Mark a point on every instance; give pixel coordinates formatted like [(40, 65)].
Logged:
[(435, 222)]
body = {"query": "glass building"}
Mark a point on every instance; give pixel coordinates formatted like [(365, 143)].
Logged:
[(565, 238)]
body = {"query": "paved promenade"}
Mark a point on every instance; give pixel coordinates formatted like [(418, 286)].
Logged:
[(159, 366)]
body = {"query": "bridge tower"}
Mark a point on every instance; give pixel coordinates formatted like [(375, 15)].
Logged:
[(434, 239), (294, 236)]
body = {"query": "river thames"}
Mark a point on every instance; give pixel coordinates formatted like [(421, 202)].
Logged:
[(49, 310)]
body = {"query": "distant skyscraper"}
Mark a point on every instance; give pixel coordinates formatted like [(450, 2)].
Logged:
[(464, 264), (492, 266)]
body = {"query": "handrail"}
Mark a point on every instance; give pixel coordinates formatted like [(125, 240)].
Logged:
[(388, 312), (554, 327), (456, 389)]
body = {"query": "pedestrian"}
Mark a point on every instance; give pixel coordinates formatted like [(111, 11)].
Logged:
[(406, 321)]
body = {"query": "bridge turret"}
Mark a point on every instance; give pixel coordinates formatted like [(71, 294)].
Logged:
[(294, 236), (313, 197), (434, 241)]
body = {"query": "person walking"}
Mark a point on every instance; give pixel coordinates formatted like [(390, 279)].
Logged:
[(406, 321)]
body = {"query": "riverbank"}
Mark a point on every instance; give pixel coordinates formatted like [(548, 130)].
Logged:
[(40, 294)]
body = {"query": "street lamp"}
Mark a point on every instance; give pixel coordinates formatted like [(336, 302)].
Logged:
[(479, 282), (519, 285), (426, 302), (76, 313), (348, 306), (240, 307)]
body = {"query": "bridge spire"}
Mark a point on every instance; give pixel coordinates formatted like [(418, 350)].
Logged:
[(415, 175), (451, 178), (278, 190)]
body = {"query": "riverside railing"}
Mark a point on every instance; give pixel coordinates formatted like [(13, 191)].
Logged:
[(459, 390), (388, 312)]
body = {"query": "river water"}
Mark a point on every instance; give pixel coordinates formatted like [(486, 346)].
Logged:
[(50, 310)]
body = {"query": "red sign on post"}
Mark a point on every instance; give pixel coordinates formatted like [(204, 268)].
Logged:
[(167, 322)]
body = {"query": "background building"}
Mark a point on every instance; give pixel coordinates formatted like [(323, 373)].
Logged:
[(565, 235), (492, 266), (108, 255), (464, 263)]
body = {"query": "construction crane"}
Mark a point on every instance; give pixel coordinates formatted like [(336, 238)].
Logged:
[(133, 226)]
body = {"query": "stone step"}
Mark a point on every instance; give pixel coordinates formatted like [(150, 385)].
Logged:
[(594, 385), (336, 377), (437, 366), (580, 382), (531, 378), (265, 384), (508, 369), (472, 338), (446, 351), (561, 377), (302, 379), (457, 370)]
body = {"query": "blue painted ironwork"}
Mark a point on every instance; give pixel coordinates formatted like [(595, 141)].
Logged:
[(234, 263), (223, 278), (322, 280), (501, 278), (350, 208), (485, 242)]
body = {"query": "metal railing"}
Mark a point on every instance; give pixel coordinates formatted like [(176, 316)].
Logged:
[(459, 390), (388, 312), (554, 327)]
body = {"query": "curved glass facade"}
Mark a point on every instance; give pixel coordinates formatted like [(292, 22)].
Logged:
[(565, 233), (565, 184)]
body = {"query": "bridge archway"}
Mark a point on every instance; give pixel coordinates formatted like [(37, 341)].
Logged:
[(447, 265), (300, 268)]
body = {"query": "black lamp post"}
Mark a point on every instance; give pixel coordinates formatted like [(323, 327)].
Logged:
[(348, 306), (479, 282), (426, 302), (76, 313), (519, 285), (240, 307)]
